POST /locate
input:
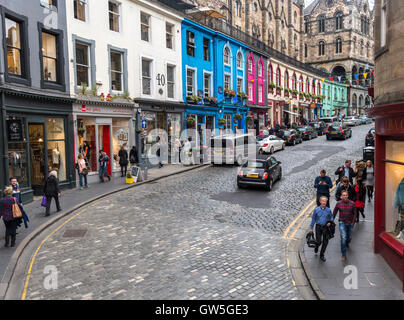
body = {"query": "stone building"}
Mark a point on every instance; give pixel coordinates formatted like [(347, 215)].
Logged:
[(389, 115), (277, 23), (339, 39)]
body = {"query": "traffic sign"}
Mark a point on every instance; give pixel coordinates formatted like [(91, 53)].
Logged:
[(144, 124)]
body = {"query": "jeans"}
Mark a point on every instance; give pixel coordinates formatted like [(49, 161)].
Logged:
[(103, 172), (11, 227), (346, 235), (81, 180), (321, 238)]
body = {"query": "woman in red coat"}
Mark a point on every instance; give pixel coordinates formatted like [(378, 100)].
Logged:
[(360, 193)]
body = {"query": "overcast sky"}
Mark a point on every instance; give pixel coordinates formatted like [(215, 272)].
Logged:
[(371, 2)]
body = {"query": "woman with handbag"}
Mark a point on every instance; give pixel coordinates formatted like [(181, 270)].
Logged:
[(10, 211), (83, 171)]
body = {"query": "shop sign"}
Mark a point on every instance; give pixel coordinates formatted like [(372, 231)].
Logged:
[(106, 110), (390, 126), (14, 130)]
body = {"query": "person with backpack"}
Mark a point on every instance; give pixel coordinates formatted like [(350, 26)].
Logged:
[(322, 217), (323, 184), (52, 190), (83, 171), (345, 171), (344, 185), (133, 158), (360, 198), (123, 161)]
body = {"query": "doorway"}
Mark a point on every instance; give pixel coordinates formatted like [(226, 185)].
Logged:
[(104, 142), (36, 133)]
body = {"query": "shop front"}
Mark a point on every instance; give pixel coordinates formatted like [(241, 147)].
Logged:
[(102, 126), (389, 185), (260, 118), (290, 114), (37, 139)]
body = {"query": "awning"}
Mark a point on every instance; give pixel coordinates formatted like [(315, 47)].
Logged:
[(291, 112)]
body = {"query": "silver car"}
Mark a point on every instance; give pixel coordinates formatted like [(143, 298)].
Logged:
[(352, 121)]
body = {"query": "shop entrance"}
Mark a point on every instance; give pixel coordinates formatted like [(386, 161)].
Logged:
[(104, 142), (36, 133)]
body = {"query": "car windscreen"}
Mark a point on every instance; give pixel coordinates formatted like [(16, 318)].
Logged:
[(302, 129), (288, 133), (260, 138), (335, 126), (221, 143), (254, 164)]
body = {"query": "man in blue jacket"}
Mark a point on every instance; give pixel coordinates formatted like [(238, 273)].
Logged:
[(323, 184), (322, 218)]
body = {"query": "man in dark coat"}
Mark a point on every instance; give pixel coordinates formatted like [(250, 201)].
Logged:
[(133, 158), (123, 161), (346, 171), (52, 190)]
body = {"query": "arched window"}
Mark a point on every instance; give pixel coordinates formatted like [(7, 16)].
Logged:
[(278, 77), (307, 85), (313, 87), (239, 60), (321, 48), (226, 55), (270, 74), (321, 24), (260, 69), (286, 80), (301, 88), (339, 20), (338, 45), (367, 50), (305, 50), (250, 65), (362, 46), (294, 84), (319, 88)]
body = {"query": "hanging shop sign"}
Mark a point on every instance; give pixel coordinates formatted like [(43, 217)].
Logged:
[(14, 130)]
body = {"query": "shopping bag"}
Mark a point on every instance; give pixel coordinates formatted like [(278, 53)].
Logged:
[(44, 201)]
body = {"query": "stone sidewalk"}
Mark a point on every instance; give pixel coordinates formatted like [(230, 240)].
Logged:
[(376, 280), (69, 200)]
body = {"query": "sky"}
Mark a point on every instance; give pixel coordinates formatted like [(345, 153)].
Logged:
[(371, 2)]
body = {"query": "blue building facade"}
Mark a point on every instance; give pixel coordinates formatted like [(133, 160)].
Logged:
[(214, 73)]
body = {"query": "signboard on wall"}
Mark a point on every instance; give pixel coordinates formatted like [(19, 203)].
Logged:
[(14, 130)]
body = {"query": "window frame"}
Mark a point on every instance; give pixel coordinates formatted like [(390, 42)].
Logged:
[(189, 44), (227, 49), (172, 34), (170, 65), (85, 10), (206, 40), (118, 14), (148, 26), (60, 82), (124, 53), (151, 69), (210, 74), (25, 77), (194, 77), (225, 75), (91, 45)]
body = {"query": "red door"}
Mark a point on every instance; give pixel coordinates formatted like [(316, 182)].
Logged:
[(106, 144)]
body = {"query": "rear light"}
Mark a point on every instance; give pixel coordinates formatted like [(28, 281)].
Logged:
[(342, 131), (265, 176), (240, 174), (326, 131), (265, 145), (306, 133), (292, 136)]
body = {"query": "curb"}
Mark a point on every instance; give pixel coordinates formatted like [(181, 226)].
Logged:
[(8, 274)]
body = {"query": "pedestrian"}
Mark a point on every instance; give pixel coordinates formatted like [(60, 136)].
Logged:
[(322, 218), (344, 185), (133, 158), (323, 184), (123, 161), (103, 162), (359, 169), (360, 198), (52, 190), (271, 131), (6, 212), (176, 150), (16, 189), (346, 171), (347, 217), (82, 170), (369, 179)]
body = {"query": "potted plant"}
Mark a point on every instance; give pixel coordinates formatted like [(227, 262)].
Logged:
[(279, 90), (221, 122), (190, 121), (294, 108), (193, 99), (229, 93), (287, 91), (238, 116), (210, 100), (241, 96), (271, 87), (138, 130), (249, 118), (129, 178), (295, 93)]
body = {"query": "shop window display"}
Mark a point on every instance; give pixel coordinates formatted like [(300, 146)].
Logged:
[(150, 118), (56, 146), (17, 149), (87, 142), (120, 137), (395, 189)]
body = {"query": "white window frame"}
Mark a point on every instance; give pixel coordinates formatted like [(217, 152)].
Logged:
[(119, 14), (122, 72), (77, 42), (226, 74), (240, 53), (210, 82), (85, 11), (148, 26), (242, 83), (195, 70), (260, 96), (229, 61), (151, 60), (250, 94), (174, 78), (172, 35)]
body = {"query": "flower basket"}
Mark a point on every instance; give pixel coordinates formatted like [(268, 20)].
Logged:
[(139, 130), (249, 118), (238, 116), (210, 100), (229, 93), (190, 121), (129, 178), (193, 99), (221, 122)]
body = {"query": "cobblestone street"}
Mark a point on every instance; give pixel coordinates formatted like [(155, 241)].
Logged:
[(191, 236)]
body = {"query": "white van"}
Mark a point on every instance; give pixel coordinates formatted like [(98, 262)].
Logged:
[(233, 148), (329, 120)]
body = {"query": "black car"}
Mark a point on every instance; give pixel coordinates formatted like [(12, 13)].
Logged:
[(291, 137), (338, 130), (319, 126), (308, 133), (262, 171), (370, 141)]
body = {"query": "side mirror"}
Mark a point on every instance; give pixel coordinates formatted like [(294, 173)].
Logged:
[(279, 162)]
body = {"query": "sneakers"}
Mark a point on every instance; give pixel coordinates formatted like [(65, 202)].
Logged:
[(316, 250), (81, 188), (343, 258), (322, 258), (85, 187)]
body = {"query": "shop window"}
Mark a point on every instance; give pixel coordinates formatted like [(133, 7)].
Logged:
[(120, 137), (150, 118), (80, 9), (49, 57), (17, 149), (87, 142), (56, 146), (395, 189), (174, 126)]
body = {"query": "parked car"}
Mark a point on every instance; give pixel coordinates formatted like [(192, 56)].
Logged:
[(352, 121), (369, 140), (261, 171), (308, 133), (232, 148), (319, 126), (271, 144), (328, 120), (291, 137), (365, 120), (338, 130)]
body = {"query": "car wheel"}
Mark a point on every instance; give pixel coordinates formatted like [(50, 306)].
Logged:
[(283, 146), (269, 185), (260, 151), (280, 174), (272, 150), (240, 186), (294, 143)]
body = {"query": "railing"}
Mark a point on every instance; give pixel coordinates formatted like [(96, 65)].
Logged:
[(224, 27)]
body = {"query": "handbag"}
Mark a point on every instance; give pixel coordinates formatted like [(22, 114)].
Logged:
[(84, 171), (44, 201), (16, 210)]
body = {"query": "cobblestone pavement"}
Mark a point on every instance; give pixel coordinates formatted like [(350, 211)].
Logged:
[(192, 236)]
